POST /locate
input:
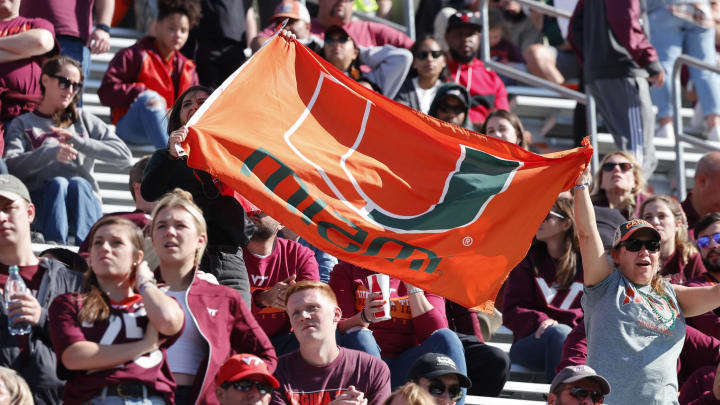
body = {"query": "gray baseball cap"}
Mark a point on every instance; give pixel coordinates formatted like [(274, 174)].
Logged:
[(12, 188), (575, 373)]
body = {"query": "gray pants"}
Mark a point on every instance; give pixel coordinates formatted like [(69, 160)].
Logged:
[(626, 108)]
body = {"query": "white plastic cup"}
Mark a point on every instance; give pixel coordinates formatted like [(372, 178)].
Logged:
[(380, 283)]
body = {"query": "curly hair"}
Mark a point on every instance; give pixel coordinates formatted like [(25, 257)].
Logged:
[(190, 8)]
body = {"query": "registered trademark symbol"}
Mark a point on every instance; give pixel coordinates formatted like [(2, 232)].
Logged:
[(467, 241)]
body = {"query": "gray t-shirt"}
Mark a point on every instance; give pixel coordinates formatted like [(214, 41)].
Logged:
[(634, 338)]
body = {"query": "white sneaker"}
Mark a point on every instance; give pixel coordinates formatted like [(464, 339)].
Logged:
[(665, 132), (713, 135)]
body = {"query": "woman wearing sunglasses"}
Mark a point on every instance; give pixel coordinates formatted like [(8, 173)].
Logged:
[(53, 151), (634, 318), (111, 338), (542, 294), (218, 321), (680, 259), (426, 75), (619, 184)]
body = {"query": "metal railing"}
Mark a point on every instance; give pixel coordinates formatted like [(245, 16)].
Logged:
[(409, 17), (525, 77), (680, 137)]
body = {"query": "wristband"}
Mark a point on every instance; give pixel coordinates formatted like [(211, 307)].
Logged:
[(582, 186), (103, 27), (145, 285), (415, 290), (363, 317)]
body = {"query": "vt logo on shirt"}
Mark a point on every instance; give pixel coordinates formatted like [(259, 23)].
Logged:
[(551, 293)]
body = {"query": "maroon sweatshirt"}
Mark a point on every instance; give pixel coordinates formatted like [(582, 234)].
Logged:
[(698, 389), (692, 216), (709, 322), (680, 273), (531, 298)]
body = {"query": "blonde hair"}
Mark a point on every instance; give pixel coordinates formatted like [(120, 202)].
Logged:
[(684, 247), (179, 198), (627, 207), (413, 395), (18, 390)]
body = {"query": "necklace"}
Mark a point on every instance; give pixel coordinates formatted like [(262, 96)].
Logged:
[(663, 320)]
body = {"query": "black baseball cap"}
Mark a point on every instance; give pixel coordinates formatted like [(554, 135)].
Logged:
[(464, 19), (433, 365)]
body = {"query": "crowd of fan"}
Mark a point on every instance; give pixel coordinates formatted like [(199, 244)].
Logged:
[(198, 296)]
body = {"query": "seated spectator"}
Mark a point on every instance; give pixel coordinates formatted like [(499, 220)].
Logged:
[(707, 232), (298, 23), (704, 198), (99, 362), (179, 235), (388, 64), (452, 104), (320, 368), (521, 30), (505, 125), (228, 225), (440, 376), (24, 44), (681, 260), (53, 150), (502, 50), (541, 304), (142, 80), (619, 184), (274, 264), (427, 74), (555, 60), (409, 394), (573, 385), (13, 388), (70, 259), (363, 33), (487, 91), (418, 324), (244, 379), (16, 214)]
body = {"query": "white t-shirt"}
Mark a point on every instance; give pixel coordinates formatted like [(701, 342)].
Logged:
[(425, 96), (186, 354)]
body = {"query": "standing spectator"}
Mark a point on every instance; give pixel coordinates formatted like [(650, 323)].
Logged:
[(53, 150), (429, 71), (218, 321), (228, 225), (24, 43), (244, 379), (574, 385), (704, 197), (111, 338), (452, 104), (542, 295), (31, 355), (13, 388), (320, 368), (298, 18), (142, 80), (619, 184), (440, 376), (611, 38), (685, 27), (73, 21), (707, 231), (487, 91), (681, 260), (505, 125)]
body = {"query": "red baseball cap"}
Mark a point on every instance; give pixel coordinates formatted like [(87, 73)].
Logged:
[(242, 366)]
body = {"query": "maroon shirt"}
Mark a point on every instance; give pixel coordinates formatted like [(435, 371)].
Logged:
[(287, 258), (304, 384), (681, 273), (698, 389), (69, 17), (506, 52), (692, 216), (709, 322), (363, 33), (126, 324)]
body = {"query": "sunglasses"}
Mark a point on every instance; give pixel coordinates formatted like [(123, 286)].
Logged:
[(246, 386), (338, 40), (437, 388), (422, 55), (581, 393), (554, 214), (635, 245), (446, 108), (705, 240), (610, 166), (65, 83)]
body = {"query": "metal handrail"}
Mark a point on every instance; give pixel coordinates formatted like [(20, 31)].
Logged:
[(408, 28), (680, 137), (525, 77)]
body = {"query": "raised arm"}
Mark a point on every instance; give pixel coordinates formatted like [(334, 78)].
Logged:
[(697, 300), (596, 268)]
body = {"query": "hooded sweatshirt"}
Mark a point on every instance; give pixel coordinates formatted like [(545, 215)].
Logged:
[(458, 91)]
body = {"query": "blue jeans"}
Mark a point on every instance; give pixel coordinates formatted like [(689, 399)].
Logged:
[(75, 48), (672, 36), (65, 207), (442, 341), (543, 353), (142, 124)]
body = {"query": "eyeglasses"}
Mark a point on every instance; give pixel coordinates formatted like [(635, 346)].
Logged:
[(635, 245), (246, 386), (705, 240), (65, 83), (422, 55), (553, 214), (338, 40), (446, 108), (610, 166), (437, 388), (581, 393)]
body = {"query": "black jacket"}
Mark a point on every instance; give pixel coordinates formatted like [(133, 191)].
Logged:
[(407, 95), (38, 366)]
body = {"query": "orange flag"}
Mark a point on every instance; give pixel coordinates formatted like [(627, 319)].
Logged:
[(373, 182)]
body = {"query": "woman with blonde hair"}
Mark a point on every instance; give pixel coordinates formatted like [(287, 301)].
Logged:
[(111, 338), (218, 321), (13, 388), (681, 261), (410, 394), (619, 184)]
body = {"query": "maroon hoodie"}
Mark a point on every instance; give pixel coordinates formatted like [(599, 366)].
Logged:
[(531, 298), (709, 322), (698, 389)]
